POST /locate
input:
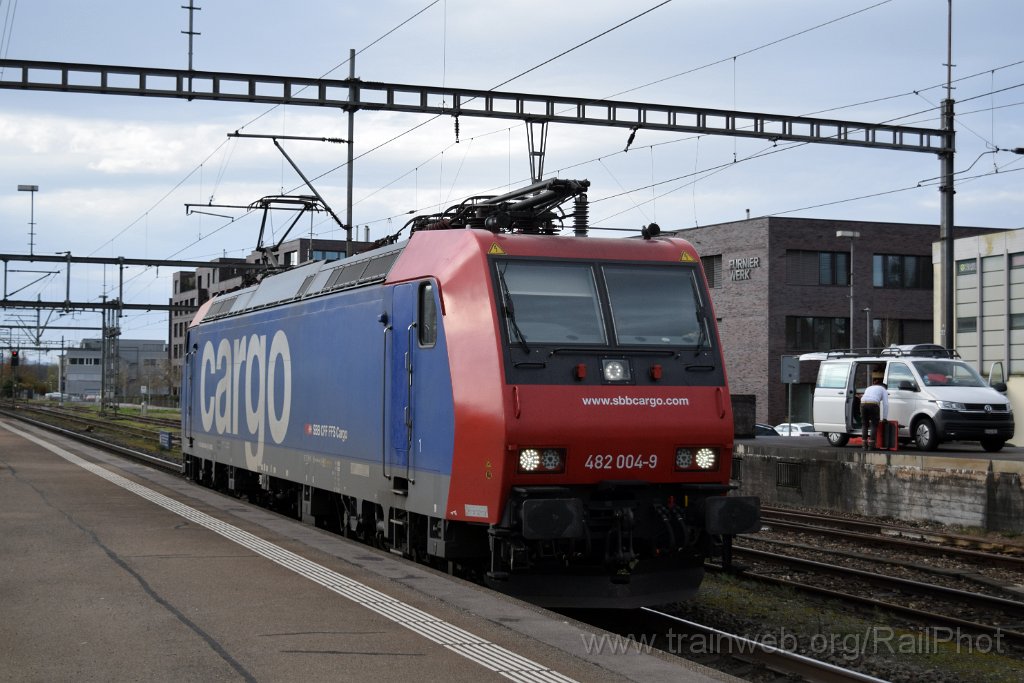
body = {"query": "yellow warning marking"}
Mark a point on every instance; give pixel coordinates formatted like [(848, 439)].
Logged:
[(686, 256), (495, 249)]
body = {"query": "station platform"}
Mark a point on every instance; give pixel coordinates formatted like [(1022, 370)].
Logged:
[(110, 570), (959, 484)]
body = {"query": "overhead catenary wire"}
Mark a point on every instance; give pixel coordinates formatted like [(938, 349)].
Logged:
[(8, 28), (649, 146), (771, 150), (196, 169), (431, 4), (621, 24), (703, 172), (733, 57), (503, 83), (206, 159), (750, 51)]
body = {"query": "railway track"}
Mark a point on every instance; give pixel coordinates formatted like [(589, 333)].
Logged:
[(765, 658), (91, 422), (81, 410), (93, 432), (774, 656), (926, 577), (999, 571), (1001, 552), (901, 595)]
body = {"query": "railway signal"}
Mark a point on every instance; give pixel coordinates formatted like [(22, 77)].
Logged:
[(14, 358)]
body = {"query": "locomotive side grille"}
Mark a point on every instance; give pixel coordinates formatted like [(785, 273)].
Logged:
[(305, 285), (221, 307)]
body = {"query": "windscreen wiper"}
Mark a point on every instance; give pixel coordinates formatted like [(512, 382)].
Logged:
[(510, 311), (703, 340)]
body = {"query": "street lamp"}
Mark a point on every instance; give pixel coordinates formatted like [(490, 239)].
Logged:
[(32, 216), (852, 235)]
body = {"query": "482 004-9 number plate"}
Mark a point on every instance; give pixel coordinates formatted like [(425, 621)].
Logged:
[(622, 461)]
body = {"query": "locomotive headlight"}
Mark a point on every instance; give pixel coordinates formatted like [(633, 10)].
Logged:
[(684, 458), (541, 460), (529, 459), (615, 370), (706, 458)]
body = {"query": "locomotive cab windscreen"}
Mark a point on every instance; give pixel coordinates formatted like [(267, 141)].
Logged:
[(553, 308)]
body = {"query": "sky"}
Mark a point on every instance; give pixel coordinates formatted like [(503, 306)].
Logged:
[(115, 172)]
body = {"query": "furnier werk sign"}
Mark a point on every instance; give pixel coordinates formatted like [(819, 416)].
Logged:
[(739, 268)]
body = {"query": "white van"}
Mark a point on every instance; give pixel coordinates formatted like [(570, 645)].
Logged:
[(933, 395)]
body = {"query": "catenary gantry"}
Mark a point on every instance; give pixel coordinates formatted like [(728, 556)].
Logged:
[(353, 93)]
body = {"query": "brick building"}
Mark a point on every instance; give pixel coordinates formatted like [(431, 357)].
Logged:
[(781, 286)]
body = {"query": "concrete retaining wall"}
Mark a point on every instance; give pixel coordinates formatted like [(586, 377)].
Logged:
[(981, 493)]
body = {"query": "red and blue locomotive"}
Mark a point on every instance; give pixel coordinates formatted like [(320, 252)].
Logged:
[(549, 413)]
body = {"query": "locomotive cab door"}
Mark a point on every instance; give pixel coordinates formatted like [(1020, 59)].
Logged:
[(398, 422), (413, 332)]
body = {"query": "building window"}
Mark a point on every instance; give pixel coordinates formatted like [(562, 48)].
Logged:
[(966, 267), (325, 255), (712, 270), (1017, 260), (966, 324), (817, 267), (895, 271), (887, 331), (833, 268), (804, 333)]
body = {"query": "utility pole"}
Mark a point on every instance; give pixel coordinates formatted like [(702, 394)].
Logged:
[(192, 9), (32, 189), (947, 191), (351, 109)]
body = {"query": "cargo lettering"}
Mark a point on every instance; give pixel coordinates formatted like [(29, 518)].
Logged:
[(243, 374)]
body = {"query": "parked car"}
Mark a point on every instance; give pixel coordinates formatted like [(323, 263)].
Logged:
[(764, 430), (796, 429), (934, 396)]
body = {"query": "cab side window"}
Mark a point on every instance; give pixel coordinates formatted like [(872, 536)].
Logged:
[(427, 315)]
